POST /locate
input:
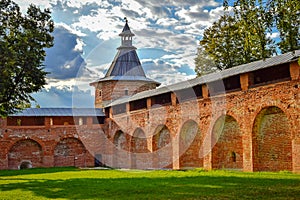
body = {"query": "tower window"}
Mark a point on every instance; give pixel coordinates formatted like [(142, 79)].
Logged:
[(126, 91), (100, 93), (80, 122)]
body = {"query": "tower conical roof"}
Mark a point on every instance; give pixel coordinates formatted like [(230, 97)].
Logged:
[(126, 64), (126, 28)]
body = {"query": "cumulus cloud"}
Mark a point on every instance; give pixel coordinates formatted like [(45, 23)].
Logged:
[(164, 72), (64, 59), (86, 37), (64, 97), (25, 3)]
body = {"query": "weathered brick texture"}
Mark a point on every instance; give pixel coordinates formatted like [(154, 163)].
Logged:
[(111, 90), (253, 128)]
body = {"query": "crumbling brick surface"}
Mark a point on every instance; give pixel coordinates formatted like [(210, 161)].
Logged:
[(256, 128)]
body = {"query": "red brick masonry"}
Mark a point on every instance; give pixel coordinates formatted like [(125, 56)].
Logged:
[(254, 128)]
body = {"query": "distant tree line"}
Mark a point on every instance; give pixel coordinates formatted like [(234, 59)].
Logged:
[(243, 34)]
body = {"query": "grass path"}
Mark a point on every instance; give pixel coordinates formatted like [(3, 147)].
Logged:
[(72, 183)]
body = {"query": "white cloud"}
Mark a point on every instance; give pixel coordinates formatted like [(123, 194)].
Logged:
[(273, 35), (171, 26), (216, 13), (79, 46), (167, 22), (71, 29), (24, 4)]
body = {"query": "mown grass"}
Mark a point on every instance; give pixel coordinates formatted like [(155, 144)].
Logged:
[(72, 183)]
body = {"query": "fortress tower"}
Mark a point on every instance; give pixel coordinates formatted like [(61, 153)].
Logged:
[(125, 75)]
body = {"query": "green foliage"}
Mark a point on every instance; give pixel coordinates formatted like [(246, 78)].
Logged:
[(205, 63), (242, 34), (287, 20), (71, 183), (222, 44), (23, 39)]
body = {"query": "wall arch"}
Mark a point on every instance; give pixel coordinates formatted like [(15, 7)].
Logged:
[(25, 150), (288, 109), (189, 145), (274, 103), (271, 140), (227, 144), (139, 149), (120, 153), (139, 142), (162, 148), (70, 151), (120, 140)]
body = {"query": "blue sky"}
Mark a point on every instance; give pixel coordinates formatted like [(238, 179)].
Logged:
[(167, 33)]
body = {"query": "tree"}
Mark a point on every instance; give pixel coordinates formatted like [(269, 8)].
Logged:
[(221, 43), (242, 35), (287, 19), (23, 39), (235, 40), (205, 63), (255, 22)]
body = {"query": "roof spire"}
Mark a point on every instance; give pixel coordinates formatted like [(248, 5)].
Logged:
[(126, 29), (126, 36)]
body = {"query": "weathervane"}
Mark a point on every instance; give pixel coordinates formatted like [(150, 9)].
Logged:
[(126, 20)]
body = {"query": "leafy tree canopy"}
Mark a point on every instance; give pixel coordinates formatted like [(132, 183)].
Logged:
[(243, 33), (23, 39)]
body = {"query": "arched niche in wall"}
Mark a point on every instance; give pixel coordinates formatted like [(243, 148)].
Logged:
[(189, 145), (140, 153), (271, 141), (227, 144), (162, 148), (120, 155), (25, 150), (70, 152)]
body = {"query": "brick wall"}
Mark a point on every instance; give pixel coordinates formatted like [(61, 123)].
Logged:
[(50, 146), (258, 129), (237, 145), (272, 141), (26, 150), (108, 90), (227, 144)]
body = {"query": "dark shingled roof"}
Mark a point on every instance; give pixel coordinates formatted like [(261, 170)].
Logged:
[(126, 28), (63, 112), (245, 68), (126, 31), (126, 64)]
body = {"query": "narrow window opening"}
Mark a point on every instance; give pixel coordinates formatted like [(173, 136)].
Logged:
[(118, 109), (19, 122), (162, 99), (233, 156), (138, 104), (270, 75), (80, 121)]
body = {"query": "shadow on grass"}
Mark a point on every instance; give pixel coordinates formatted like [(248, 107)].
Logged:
[(196, 187), (36, 171)]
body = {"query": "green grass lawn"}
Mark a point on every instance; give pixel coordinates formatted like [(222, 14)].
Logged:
[(72, 183)]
